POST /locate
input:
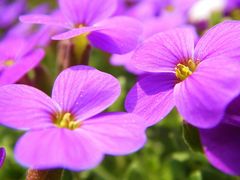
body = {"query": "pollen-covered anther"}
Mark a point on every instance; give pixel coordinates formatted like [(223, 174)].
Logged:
[(66, 120), (183, 70), (8, 63), (169, 8), (79, 26)]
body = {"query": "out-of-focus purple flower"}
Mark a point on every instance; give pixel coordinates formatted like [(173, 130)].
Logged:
[(176, 5), (2, 156), (149, 8), (30, 31), (42, 34), (92, 19), (17, 57), (221, 144), (24, 30), (199, 80), (10, 12), (144, 10), (69, 130), (123, 5), (231, 5), (151, 27)]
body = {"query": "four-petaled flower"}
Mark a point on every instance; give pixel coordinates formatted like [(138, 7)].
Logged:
[(69, 130), (17, 58), (199, 80), (92, 19)]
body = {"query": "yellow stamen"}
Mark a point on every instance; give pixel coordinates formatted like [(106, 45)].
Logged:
[(66, 120), (170, 8), (8, 63), (183, 70), (80, 25)]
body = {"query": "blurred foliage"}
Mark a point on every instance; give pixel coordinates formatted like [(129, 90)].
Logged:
[(191, 137), (164, 157)]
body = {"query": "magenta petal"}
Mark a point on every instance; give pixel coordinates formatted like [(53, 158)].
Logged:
[(2, 156), (75, 32), (9, 12), (23, 65), (152, 97), (87, 12), (120, 35), (221, 146), (57, 148), (163, 51), (116, 133), (24, 107), (85, 91), (232, 114), (203, 97), (13, 47), (223, 39), (45, 19)]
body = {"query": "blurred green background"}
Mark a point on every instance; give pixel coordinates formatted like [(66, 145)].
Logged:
[(165, 156)]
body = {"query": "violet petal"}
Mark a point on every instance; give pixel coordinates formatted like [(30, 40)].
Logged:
[(85, 91)]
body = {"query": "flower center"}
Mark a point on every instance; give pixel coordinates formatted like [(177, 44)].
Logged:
[(66, 120), (169, 8), (8, 63), (183, 70)]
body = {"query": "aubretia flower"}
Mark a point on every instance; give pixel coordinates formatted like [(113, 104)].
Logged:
[(176, 5), (69, 130), (9, 12), (2, 156), (221, 144), (200, 80), (151, 26), (92, 20), (29, 31), (231, 5), (25, 30), (17, 57)]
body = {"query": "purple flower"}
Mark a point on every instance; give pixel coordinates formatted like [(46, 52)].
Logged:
[(149, 8), (92, 19), (145, 9), (176, 5), (17, 57), (221, 144), (230, 5), (2, 156), (40, 34), (25, 30), (69, 130), (123, 5), (151, 27), (200, 80), (10, 12)]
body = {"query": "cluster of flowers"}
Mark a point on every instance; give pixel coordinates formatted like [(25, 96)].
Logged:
[(151, 38)]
